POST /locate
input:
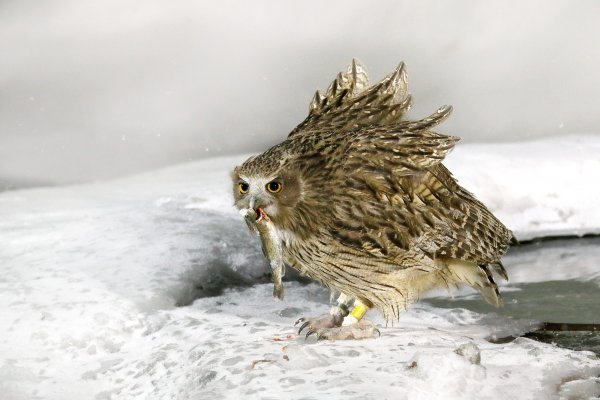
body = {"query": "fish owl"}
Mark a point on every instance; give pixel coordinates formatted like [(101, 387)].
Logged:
[(358, 199)]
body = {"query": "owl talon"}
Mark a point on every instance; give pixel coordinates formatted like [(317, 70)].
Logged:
[(311, 332), (326, 321), (304, 325), (362, 329)]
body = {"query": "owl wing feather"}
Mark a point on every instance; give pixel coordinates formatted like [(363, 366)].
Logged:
[(398, 196), (476, 234), (401, 197), (404, 148), (349, 103), (389, 216)]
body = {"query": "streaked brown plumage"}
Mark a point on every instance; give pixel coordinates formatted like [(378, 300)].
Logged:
[(366, 207)]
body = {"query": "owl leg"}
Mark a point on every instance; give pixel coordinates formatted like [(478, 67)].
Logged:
[(358, 312), (334, 319), (351, 326), (354, 326)]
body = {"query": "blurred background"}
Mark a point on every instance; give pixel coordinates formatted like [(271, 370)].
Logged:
[(94, 90)]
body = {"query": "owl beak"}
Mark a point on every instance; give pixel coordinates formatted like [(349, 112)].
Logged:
[(261, 214), (257, 204)]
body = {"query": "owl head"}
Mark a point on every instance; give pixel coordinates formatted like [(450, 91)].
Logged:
[(267, 184)]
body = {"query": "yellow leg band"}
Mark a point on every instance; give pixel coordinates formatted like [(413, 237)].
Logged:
[(359, 311)]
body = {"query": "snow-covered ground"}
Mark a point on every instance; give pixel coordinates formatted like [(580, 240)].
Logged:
[(98, 282)]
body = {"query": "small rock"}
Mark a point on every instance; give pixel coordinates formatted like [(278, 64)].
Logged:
[(469, 351)]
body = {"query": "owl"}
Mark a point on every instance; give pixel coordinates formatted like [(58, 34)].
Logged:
[(360, 201)]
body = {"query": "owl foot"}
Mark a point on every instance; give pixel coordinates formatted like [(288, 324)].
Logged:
[(363, 329), (325, 322)]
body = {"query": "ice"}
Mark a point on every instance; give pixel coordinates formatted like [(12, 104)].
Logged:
[(152, 287)]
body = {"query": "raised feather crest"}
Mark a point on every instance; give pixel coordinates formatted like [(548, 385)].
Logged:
[(349, 103)]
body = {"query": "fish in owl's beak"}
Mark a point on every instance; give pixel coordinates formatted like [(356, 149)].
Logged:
[(259, 222)]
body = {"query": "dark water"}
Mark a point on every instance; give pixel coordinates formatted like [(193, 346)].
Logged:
[(556, 281)]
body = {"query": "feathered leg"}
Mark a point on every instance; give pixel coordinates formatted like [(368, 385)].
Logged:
[(334, 319), (340, 324)]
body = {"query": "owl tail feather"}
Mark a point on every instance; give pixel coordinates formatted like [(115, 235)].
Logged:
[(477, 276)]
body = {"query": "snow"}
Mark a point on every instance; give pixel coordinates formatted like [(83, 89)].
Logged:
[(151, 287), (539, 188)]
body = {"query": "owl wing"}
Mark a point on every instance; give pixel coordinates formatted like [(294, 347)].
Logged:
[(396, 194), (349, 103), (398, 197), (476, 234)]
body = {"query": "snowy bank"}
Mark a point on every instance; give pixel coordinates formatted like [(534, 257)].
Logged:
[(98, 282), (540, 188)]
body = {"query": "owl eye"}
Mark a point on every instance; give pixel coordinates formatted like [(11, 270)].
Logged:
[(274, 187), (243, 186)]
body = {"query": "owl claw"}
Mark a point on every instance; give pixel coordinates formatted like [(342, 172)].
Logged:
[(312, 332), (304, 325), (326, 321), (362, 329), (329, 327)]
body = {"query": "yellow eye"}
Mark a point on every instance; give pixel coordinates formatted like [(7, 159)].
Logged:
[(274, 187), (243, 186)]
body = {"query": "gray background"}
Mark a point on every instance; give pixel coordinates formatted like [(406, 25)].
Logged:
[(93, 90)]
